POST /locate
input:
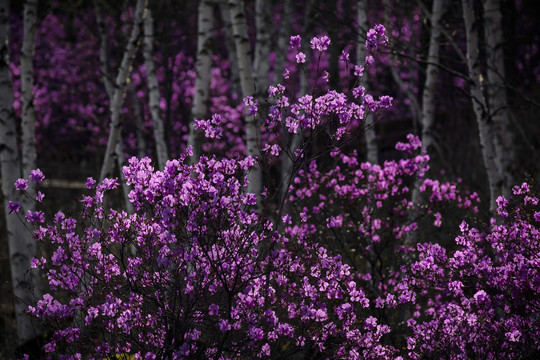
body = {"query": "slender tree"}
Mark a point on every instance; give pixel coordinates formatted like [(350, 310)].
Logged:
[(22, 247), (225, 17), (153, 90), (202, 82), (499, 112), (241, 40), (139, 121), (427, 118), (480, 105), (28, 115), (120, 90), (283, 41), (370, 135), (263, 25), (113, 92)]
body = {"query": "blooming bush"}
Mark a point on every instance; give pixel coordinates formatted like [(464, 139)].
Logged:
[(482, 300), (187, 276), (195, 273)]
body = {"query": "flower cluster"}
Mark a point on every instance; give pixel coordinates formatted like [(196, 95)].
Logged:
[(363, 211), (482, 299), (192, 273)]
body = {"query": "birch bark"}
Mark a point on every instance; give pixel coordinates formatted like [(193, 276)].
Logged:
[(432, 71), (153, 90), (202, 82), (370, 135), (283, 41), (499, 112), (120, 90), (112, 89), (21, 245), (28, 127), (261, 64), (241, 40), (139, 122), (479, 104), (427, 118), (229, 45)]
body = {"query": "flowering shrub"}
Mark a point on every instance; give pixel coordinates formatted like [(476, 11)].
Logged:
[(195, 273), (199, 284), (482, 300)]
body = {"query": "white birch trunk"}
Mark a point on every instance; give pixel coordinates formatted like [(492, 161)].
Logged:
[(28, 126), (103, 54), (153, 90), (202, 82), (499, 112), (229, 45), (241, 40), (139, 122), (21, 245), (111, 90), (427, 118), (283, 41), (261, 64), (479, 104), (372, 153), (432, 71), (120, 90)]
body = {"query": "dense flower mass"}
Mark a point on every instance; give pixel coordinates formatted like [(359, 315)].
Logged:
[(481, 300), (214, 279), (340, 269), (194, 273)]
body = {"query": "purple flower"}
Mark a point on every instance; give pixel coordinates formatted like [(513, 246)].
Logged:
[(295, 41), (320, 44), (359, 92), (35, 216), (369, 60), (213, 309), (344, 56), (37, 176), (265, 350), (21, 184), (300, 58), (14, 206), (385, 101), (256, 333), (90, 183), (40, 196), (514, 335), (286, 73)]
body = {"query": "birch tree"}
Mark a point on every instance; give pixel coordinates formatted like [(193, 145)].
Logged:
[(139, 121), (225, 17), (22, 247), (261, 65), (499, 112), (369, 128), (476, 83), (28, 113), (427, 118), (202, 82), (241, 40), (153, 90), (112, 150), (283, 41)]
